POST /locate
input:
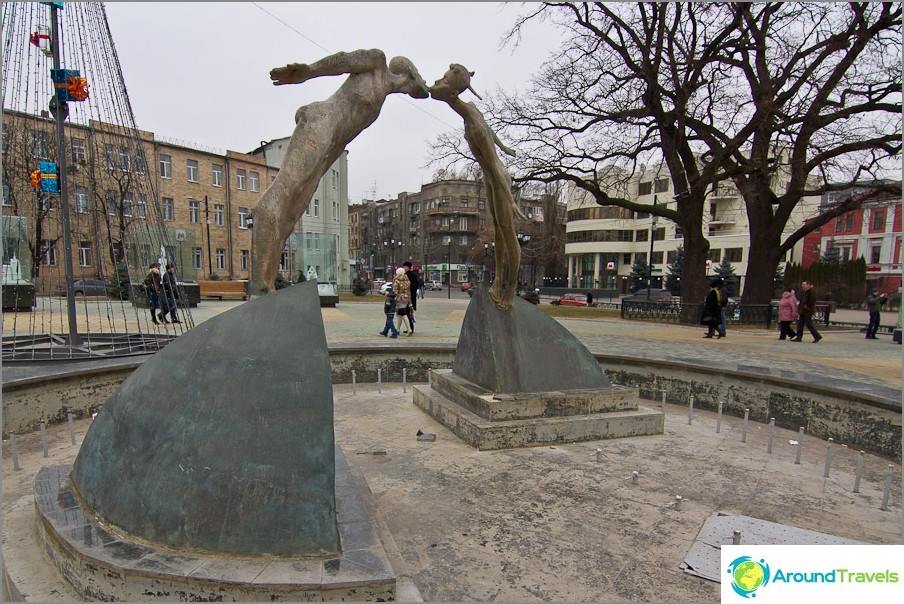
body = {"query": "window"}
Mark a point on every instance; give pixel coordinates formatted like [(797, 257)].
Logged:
[(166, 166), (335, 178), (240, 179), (463, 240), (142, 206), (125, 162), (645, 188), (626, 259), (335, 210), (254, 183), (127, 204), (217, 175), (465, 202), (845, 254), (284, 258), (463, 223), (196, 258), (661, 185), (81, 200), (878, 220), (839, 224), (849, 223), (221, 258), (316, 207), (642, 235), (108, 157), (243, 218), (194, 211), (244, 259), (192, 165), (79, 155), (218, 211), (734, 254), (40, 144), (169, 208), (875, 253), (141, 162), (112, 205), (7, 201), (49, 256), (714, 255), (84, 253), (657, 258)]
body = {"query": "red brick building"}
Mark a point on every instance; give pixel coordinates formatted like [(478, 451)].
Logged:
[(872, 232)]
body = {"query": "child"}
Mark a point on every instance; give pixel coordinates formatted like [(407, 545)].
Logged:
[(389, 309)]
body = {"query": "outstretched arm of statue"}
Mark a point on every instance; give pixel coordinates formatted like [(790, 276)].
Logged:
[(499, 144), (357, 61)]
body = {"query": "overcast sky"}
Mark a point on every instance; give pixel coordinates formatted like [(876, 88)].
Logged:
[(199, 72)]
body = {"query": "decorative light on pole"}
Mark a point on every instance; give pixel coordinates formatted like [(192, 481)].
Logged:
[(449, 292), (523, 238), (654, 218)]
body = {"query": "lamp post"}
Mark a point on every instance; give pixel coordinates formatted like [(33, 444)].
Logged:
[(523, 238), (449, 292), (249, 222), (653, 221)]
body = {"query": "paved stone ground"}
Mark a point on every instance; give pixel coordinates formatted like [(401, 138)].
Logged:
[(553, 523), (546, 523)]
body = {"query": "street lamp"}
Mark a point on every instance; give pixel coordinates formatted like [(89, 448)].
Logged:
[(249, 222), (523, 238), (449, 293), (653, 221)]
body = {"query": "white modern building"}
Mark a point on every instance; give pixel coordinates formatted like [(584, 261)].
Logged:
[(319, 245), (602, 243)]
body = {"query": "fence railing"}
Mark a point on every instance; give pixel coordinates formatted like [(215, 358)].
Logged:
[(690, 314)]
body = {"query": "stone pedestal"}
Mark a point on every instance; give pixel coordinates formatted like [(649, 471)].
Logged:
[(520, 379), (487, 420), (104, 565)]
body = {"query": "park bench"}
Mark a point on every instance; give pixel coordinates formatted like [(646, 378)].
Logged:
[(223, 290)]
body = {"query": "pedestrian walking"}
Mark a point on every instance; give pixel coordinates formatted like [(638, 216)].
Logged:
[(152, 287), (874, 302), (170, 294), (806, 308), (723, 300), (402, 287), (712, 311), (389, 309), (787, 314), (414, 279)]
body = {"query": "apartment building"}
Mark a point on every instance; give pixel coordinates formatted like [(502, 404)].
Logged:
[(445, 228), (319, 243), (603, 243), (872, 232), (202, 221)]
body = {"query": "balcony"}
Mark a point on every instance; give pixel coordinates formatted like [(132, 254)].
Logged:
[(445, 210)]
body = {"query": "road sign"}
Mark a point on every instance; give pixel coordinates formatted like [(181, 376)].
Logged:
[(180, 235), (709, 264), (655, 269), (610, 265)]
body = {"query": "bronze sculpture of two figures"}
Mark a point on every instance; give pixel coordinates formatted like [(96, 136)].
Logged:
[(323, 129)]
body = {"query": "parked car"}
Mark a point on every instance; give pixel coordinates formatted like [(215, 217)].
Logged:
[(467, 285), (656, 295), (85, 287), (433, 286), (571, 300)]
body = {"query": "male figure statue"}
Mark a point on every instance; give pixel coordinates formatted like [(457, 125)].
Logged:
[(322, 131), (483, 142)]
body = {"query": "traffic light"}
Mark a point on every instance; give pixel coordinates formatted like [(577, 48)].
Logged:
[(371, 253)]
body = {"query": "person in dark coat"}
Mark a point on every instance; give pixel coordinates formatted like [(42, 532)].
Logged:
[(712, 311), (874, 302), (807, 307)]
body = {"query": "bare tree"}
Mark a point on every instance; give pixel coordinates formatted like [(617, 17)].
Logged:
[(23, 149), (819, 110), (799, 98)]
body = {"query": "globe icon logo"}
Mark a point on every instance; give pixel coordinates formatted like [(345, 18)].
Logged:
[(748, 575)]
